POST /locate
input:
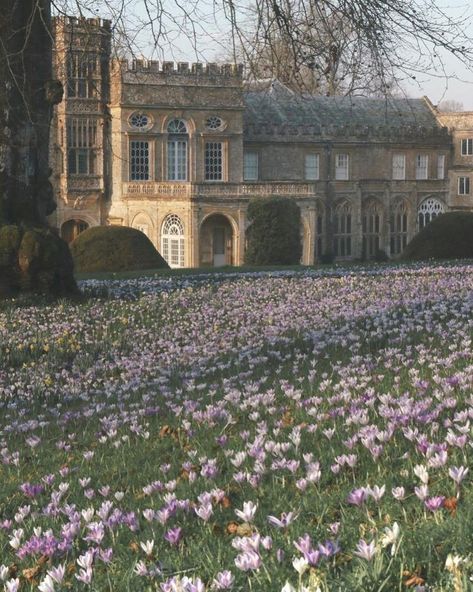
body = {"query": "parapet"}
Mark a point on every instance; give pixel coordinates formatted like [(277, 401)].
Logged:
[(183, 68), (82, 23)]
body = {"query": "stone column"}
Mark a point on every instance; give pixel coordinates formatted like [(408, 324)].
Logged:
[(240, 243), (357, 227)]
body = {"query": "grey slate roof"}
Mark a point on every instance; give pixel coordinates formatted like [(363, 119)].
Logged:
[(274, 106)]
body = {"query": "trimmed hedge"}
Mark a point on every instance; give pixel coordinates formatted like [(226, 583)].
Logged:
[(274, 234), (114, 248), (449, 236)]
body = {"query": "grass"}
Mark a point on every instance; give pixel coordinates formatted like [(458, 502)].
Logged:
[(228, 393)]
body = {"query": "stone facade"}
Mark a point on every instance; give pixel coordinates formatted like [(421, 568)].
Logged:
[(178, 151)]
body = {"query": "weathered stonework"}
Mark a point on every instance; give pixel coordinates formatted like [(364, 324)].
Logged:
[(336, 156)]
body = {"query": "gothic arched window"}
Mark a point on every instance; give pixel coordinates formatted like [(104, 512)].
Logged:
[(177, 150), (371, 222), (428, 210), (398, 227), (172, 241), (342, 230)]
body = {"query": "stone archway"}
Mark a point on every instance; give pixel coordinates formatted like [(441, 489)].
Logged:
[(71, 229), (216, 241)]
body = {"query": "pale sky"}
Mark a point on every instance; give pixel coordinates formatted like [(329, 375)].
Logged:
[(213, 44)]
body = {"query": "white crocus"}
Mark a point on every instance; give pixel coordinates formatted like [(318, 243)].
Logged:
[(391, 536), (421, 472), (147, 547), (300, 564)]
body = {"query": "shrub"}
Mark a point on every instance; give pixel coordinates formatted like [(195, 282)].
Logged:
[(35, 260), (327, 258), (449, 236), (114, 248), (274, 234)]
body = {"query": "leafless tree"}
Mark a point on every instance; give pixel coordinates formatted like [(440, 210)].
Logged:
[(451, 106)]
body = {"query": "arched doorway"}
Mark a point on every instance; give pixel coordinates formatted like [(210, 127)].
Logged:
[(71, 229), (216, 241)]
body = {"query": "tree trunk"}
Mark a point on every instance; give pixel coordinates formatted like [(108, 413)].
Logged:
[(27, 96), (32, 257)]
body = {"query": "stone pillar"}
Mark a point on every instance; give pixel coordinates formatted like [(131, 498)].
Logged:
[(193, 242), (385, 242), (309, 250), (357, 227), (240, 242)]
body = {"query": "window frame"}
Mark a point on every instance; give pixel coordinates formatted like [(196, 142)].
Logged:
[(223, 162), (402, 176), (463, 185), (441, 160), (422, 169), (150, 172), (82, 146), (315, 167), (466, 146), (342, 173), (247, 166)]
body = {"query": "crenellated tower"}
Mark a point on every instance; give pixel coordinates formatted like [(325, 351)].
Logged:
[(80, 131)]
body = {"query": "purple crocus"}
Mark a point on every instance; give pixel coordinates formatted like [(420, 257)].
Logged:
[(173, 535), (434, 503)]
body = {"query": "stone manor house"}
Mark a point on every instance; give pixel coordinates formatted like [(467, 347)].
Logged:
[(178, 151)]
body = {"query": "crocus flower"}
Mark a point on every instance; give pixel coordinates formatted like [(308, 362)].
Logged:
[(458, 474), (365, 550), (248, 512), (224, 580), (284, 521), (434, 503), (357, 496)]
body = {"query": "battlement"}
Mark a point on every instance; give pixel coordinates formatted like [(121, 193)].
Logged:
[(182, 68), (82, 23)]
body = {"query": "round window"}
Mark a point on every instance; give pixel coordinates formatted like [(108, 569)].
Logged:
[(139, 120), (214, 123)]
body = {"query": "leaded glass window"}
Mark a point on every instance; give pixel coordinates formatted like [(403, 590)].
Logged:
[(213, 161), (139, 160), (81, 146)]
